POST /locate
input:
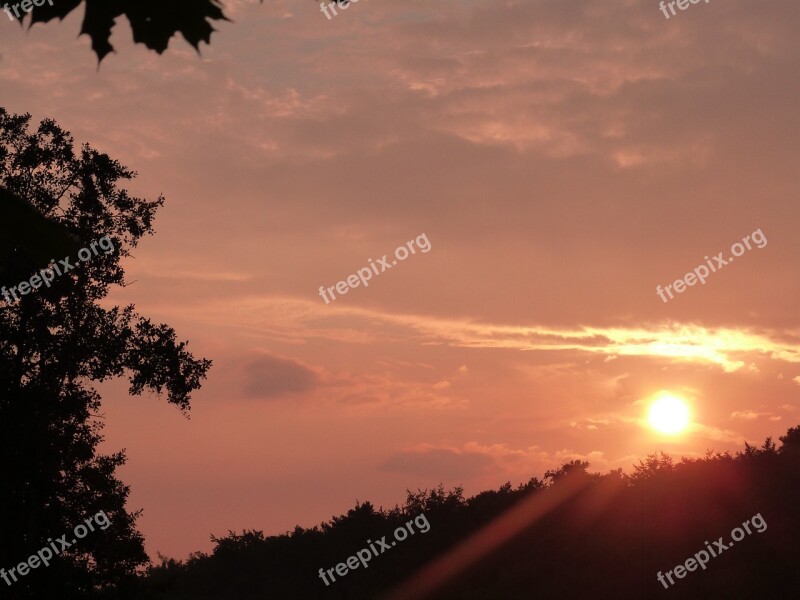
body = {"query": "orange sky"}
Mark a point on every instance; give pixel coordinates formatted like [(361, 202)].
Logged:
[(563, 159)]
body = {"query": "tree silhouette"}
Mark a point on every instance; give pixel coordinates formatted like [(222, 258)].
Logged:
[(608, 540), (573, 468), (791, 441), (28, 240), (56, 341)]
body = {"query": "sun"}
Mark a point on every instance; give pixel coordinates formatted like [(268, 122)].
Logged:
[(669, 415)]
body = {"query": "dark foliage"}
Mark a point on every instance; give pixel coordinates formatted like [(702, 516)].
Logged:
[(153, 22), (54, 343), (608, 540)]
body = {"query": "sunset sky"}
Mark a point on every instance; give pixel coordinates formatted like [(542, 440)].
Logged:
[(563, 158)]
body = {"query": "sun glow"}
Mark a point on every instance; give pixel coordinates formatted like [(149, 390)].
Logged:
[(669, 414)]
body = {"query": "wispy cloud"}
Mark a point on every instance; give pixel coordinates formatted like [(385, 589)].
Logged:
[(730, 349)]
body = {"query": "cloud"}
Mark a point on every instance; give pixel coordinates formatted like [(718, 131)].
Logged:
[(751, 415), (273, 377), (715, 433), (724, 347), (747, 415)]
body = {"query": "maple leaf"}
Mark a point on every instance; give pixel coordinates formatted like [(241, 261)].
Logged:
[(153, 22)]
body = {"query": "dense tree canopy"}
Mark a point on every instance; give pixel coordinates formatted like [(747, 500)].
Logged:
[(55, 341)]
